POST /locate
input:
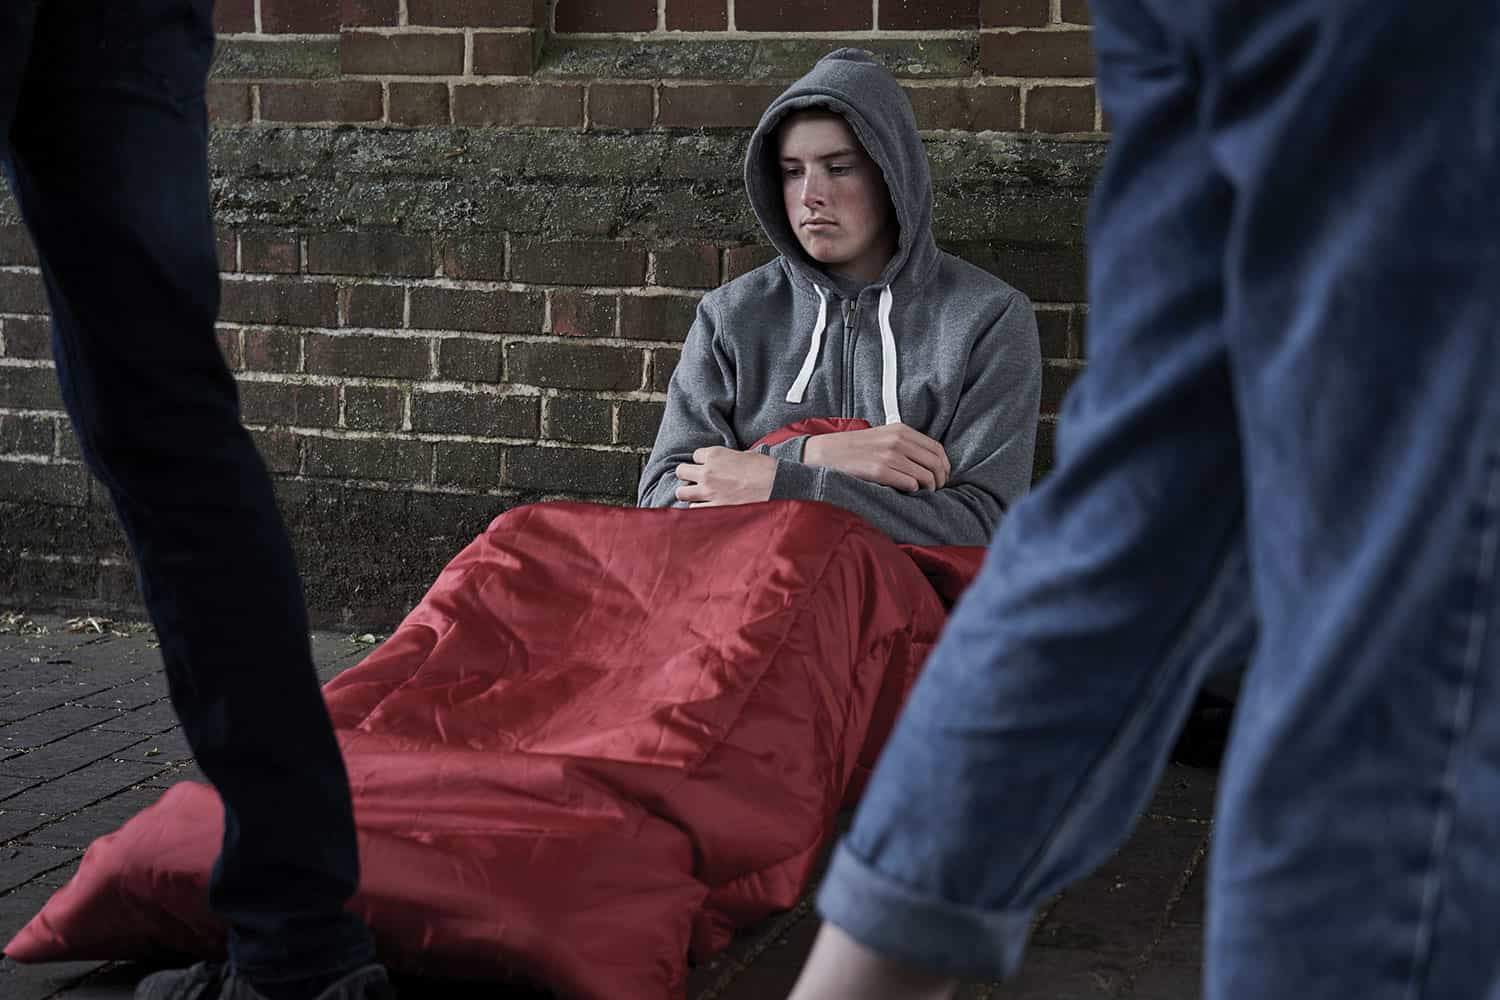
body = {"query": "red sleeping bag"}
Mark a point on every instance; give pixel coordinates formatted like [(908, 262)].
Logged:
[(604, 739)]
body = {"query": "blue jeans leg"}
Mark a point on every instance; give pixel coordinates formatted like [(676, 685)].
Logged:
[(1294, 306), (108, 160)]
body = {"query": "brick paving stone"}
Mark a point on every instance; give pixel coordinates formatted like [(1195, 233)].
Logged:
[(15, 824), (25, 702), (1119, 909), (13, 785), (81, 829), (18, 906), (19, 864), (158, 717), (83, 787), (186, 771), (67, 754), (53, 724), (130, 695), (162, 750), (38, 982)]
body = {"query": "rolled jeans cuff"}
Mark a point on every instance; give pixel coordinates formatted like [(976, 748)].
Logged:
[(912, 928)]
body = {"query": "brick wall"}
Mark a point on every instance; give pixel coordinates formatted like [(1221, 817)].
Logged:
[(462, 241)]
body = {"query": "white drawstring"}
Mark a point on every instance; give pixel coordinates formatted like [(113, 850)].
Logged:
[(799, 387), (888, 359)]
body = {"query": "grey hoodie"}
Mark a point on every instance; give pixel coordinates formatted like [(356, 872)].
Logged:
[(935, 342)]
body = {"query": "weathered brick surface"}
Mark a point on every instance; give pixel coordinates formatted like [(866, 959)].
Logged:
[(367, 305), (465, 359), (578, 262), (573, 470), (568, 366), (302, 17), (29, 388), (582, 314), (1037, 53), (419, 103), (657, 317), (269, 252), (740, 261), (408, 54), (617, 15), (621, 105), (371, 13), (479, 414), (21, 292), (582, 419), (804, 15), (974, 109), (361, 354), (16, 247), (473, 13), (373, 407), (371, 252), (686, 265), (321, 101), (233, 16), (480, 257), (464, 463), (928, 15), (1060, 109), (275, 403), (278, 302), (697, 15), (714, 105), (1076, 12), (504, 53), (540, 104), (663, 363), (638, 422), (476, 310), (28, 337), (378, 459), (26, 435), (228, 103), (1015, 13)]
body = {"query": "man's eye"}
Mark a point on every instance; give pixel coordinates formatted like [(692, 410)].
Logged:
[(839, 169), (791, 172)]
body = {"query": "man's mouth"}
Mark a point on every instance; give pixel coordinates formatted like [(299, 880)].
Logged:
[(818, 223)]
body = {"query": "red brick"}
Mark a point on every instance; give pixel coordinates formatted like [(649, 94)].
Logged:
[(928, 15), (578, 262), (225, 249), (554, 105), (687, 265), (370, 305), (743, 260), (657, 317), (803, 15), (697, 15), (1014, 13), (381, 252), (715, 105), (372, 407), (16, 247), (584, 419), (231, 347), (505, 53), (663, 363), (386, 459), (272, 350), (365, 354), (279, 303), (414, 53), (233, 17), (1060, 109), (302, 17), (639, 421), (995, 108), (228, 103), (616, 15), (621, 105), (280, 404), (479, 311), (268, 253), (467, 359), (575, 314), (573, 366), (1076, 12), (571, 470), (1037, 53), (474, 258), (419, 103), (371, 13), (330, 101), (473, 13)]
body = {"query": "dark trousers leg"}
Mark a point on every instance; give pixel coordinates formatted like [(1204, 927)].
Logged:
[(108, 159)]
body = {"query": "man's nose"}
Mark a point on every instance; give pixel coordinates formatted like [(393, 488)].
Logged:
[(814, 190)]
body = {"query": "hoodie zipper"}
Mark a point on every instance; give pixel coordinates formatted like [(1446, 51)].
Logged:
[(851, 318)]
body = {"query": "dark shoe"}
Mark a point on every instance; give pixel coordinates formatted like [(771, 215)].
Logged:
[(215, 981)]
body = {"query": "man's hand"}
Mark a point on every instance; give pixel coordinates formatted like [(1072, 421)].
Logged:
[(719, 477), (893, 455)]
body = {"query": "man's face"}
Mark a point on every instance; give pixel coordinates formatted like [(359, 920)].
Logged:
[(835, 197)]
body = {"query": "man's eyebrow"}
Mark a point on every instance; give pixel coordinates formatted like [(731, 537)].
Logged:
[(846, 151)]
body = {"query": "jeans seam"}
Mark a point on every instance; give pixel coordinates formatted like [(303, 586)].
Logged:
[(1475, 625)]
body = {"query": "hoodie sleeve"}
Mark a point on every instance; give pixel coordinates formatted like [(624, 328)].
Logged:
[(990, 443), (700, 399)]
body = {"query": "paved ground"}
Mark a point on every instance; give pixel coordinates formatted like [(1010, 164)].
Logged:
[(87, 738)]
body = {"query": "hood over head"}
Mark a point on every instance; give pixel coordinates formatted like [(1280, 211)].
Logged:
[(852, 84)]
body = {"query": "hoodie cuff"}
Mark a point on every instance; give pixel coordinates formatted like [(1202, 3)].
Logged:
[(789, 450), (795, 481)]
